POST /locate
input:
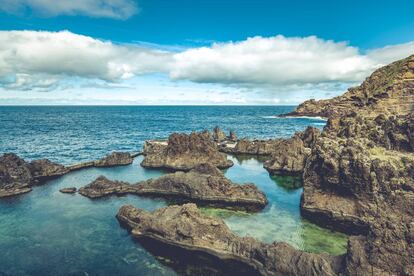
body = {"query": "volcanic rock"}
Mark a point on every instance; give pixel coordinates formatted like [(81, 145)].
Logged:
[(219, 135), (70, 190), (115, 159), (18, 176), (359, 177), (204, 185), (186, 228), (184, 152)]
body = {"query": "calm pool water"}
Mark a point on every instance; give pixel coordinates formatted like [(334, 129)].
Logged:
[(48, 233)]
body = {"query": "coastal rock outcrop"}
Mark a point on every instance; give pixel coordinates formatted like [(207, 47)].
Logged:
[(70, 190), (185, 227), (219, 135), (359, 177), (203, 185), (185, 151), (255, 147), (18, 176), (289, 157), (115, 159)]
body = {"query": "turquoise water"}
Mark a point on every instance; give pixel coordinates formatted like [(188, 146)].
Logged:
[(48, 233)]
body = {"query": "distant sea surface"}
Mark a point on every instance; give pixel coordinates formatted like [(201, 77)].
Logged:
[(70, 134)]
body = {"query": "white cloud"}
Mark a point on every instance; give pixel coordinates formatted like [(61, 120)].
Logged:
[(117, 9), (275, 60), (28, 55), (50, 60), (392, 53)]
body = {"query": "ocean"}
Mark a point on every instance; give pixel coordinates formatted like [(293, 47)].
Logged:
[(46, 232)]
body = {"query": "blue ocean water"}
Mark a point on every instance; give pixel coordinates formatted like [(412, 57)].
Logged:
[(46, 232), (70, 134)]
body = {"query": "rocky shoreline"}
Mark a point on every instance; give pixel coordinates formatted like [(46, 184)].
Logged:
[(204, 185), (18, 176), (185, 227)]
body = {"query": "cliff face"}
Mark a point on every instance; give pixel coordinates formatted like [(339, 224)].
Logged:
[(359, 177), (388, 90)]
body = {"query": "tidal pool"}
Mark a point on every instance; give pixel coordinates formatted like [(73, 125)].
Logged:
[(46, 232)]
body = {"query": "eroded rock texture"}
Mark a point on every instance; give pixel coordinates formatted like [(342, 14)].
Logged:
[(18, 176), (290, 155), (184, 152), (185, 227), (359, 177), (115, 159), (204, 185)]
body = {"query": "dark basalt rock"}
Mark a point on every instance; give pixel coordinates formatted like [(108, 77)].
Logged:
[(18, 176), (219, 135), (290, 156), (184, 152), (115, 159), (204, 185), (359, 177), (186, 228), (70, 190)]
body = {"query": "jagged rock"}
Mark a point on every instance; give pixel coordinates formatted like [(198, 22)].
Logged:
[(70, 190), (359, 177), (219, 135), (204, 185), (154, 147), (18, 176), (186, 228), (232, 136), (255, 147), (15, 175), (184, 152), (115, 159), (290, 156)]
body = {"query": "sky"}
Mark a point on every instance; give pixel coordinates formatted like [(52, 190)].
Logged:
[(195, 52)]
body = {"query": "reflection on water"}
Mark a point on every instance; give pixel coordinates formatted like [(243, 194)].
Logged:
[(46, 232)]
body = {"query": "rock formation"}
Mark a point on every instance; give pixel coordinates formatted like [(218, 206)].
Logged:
[(290, 155), (203, 185), (185, 227), (115, 159), (255, 147), (184, 152), (219, 135), (70, 190), (18, 176), (359, 177)]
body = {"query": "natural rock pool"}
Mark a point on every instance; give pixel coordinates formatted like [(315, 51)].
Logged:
[(47, 232)]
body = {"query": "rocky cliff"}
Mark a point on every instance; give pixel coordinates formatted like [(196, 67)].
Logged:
[(359, 177)]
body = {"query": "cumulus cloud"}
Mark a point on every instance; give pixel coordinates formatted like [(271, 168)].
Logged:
[(117, 9), (274, 60), (46, 60), (29, 55)]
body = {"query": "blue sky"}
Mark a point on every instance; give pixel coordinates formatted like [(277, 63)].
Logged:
[(194, 52)]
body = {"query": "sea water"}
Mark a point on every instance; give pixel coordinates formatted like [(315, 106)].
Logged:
[(46, 232)]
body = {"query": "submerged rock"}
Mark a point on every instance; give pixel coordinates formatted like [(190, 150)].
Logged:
[(115, 159), (18, 176), (204, 185), (186, 228), (184, 152), (70, 190)]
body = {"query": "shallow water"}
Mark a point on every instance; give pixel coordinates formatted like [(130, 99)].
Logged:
[(48, 233)]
